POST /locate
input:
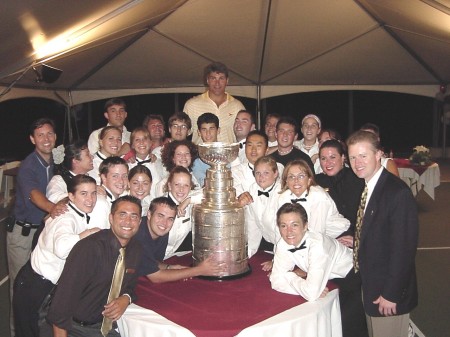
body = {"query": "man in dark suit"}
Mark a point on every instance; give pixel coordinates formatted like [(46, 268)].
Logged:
[(385, 247)]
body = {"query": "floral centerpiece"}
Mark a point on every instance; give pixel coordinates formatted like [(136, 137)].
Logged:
[(421, 155)]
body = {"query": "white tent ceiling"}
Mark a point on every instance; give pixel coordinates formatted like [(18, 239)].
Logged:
[(272, 47)]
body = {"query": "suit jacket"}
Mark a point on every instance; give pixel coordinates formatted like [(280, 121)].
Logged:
[(388, 246)]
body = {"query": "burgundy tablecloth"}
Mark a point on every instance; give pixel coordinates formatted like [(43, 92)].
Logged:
[(406, 163), (216, 309)]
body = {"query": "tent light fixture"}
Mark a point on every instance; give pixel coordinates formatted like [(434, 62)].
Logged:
[(47, 74)]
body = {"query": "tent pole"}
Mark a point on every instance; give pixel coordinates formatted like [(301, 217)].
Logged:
[(258, 106), (69, 120), (177, 103), (351, 113)]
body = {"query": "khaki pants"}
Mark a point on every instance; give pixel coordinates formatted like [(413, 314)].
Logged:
[(392, 326)]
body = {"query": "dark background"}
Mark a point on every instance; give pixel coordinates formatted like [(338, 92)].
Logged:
[(404, 120)]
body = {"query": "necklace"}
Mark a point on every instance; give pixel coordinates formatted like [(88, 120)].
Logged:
[(285, 152)]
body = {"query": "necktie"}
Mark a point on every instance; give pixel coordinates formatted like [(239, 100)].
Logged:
[(114, 291), (241, 145), (298, 199), (358, 227), (302, 246)]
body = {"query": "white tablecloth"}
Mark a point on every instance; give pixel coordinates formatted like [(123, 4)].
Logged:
[(321, 318), (428, 180)]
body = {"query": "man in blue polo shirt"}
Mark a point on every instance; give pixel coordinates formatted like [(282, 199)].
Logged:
[(31, 205)]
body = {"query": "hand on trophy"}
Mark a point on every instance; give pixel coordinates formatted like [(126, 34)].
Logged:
[(245, 199), (211, 267)]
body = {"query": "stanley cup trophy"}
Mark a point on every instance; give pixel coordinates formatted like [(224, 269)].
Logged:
[(218, 222)]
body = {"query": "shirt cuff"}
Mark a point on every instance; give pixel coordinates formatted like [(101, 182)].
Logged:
[(129, 297)]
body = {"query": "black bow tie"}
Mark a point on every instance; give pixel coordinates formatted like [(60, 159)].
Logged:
[(144, 161), (241, 145), (109, 196), (81, 214), (266, 193), (302, 246), (101, 157), (294, 201)]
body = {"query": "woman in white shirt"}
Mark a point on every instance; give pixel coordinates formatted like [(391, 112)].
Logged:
[(140, 179), (304, 262), (38, 277), (298, 186), (77, 160), (141, 145), (110, 142), (319, 256), (264, 192), (178, 186)]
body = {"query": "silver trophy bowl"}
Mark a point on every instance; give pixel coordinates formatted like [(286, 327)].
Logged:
[(218, 153)]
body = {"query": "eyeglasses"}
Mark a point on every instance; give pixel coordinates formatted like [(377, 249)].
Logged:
[(176, 126), (297, 177)]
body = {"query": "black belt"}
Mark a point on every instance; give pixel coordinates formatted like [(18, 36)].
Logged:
[(27, 224), (86, 323), (26, 227), (91, 324)]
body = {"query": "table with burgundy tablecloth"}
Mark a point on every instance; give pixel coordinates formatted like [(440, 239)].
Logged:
[(244, 307), (416, 176)]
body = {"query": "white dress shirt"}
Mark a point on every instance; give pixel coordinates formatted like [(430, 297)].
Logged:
[(260, 217), (323, 259), (323, 216), (180, 229), (57, 188), (56, 241), (98, 159)]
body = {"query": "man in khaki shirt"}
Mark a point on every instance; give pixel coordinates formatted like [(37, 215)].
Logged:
[(216, 101)]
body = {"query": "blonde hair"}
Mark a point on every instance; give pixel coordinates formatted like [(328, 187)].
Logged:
[(267, 160)]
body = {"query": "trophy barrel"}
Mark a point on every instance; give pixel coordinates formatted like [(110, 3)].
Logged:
[(221, 233)]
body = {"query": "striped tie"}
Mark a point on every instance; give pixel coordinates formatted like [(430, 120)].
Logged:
[(359, 222), (114, 291)]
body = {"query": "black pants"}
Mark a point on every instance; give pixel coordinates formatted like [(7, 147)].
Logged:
[(30, 289), (352, 311)]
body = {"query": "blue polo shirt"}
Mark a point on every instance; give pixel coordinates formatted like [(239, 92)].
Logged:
[(34, 174)]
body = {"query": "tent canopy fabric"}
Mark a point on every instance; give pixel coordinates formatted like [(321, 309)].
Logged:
[(108, 48)]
